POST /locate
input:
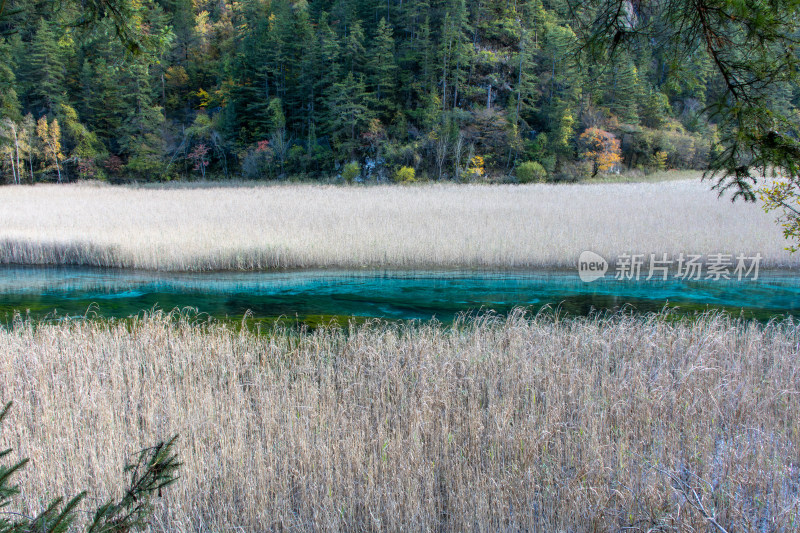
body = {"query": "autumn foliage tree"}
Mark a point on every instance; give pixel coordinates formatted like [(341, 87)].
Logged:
[(50, 137), (199, 158), (601, 148), (781, 195)]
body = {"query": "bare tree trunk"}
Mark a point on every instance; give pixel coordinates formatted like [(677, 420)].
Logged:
[(519, 78), (55, 158), (16, 150), (441, 154), (13, 171), (459, 149), (455, 82), (217, 140), (445, 60), (58, 167)]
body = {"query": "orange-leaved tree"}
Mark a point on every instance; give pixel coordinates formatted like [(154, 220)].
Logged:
[(601, 148)]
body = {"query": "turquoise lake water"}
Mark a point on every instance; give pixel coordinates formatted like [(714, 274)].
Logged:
[(309, 296)]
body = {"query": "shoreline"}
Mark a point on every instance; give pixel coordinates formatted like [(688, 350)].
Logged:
[(399, 269)]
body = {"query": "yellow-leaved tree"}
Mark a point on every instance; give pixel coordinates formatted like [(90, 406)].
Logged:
[(781, 195), (601, 148), (50, 135)]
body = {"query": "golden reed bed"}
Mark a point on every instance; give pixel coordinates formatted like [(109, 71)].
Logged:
[(303, 226), (529, 423)]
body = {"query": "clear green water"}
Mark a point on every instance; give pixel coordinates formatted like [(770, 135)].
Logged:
[(317, 296)]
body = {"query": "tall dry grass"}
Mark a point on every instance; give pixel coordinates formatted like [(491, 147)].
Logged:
[(388, 226), (531, 424)]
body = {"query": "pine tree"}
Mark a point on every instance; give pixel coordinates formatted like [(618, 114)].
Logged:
[(140, 134), (9, 103), (347, 114), (526, 91), (455, 52), (355, 52), (382, 69), (255, 76), (655, 109), (621, 88), (445, 58), (45, 79), (562, 131), (561, 73), (326, 64), (279, 46), (308, 79), (104, 101), (299, 104), (415, 57), (412, 16)]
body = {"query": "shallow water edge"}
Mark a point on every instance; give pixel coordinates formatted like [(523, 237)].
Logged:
[(42, 292)]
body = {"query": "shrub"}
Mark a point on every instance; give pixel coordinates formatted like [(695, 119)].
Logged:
[(405, 175), (154, 469), (574, 171), (680, 149), (531, 172), (297, 158), (351, 171)]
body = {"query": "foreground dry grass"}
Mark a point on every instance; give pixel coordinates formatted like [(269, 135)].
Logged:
[(530, 423), (388, 226)]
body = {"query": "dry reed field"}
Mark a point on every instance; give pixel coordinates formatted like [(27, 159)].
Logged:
[(526, 423), (302, 226)]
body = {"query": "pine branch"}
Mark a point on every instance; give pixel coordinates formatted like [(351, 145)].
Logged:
[(154, 469)]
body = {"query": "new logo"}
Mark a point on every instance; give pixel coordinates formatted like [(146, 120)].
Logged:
[(591, 266)]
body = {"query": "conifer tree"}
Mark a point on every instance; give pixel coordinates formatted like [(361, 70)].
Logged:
[(347, 114), (355, 51), (45, 78), (140, 132), (525, 88), (621, 87), (300, 102), (382, 69), (103, 100), (256, 81), (455, 53), (326, 64), (9, 102)]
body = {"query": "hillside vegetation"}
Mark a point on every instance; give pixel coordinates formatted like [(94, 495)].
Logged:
[(442, 89)]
